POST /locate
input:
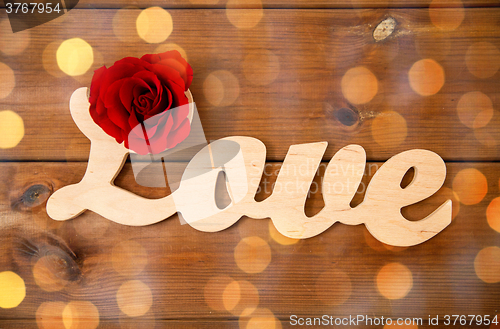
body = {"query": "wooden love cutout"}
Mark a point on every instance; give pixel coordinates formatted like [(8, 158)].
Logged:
[(380, 210)]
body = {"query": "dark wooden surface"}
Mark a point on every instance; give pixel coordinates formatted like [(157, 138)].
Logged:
[(335, 273)]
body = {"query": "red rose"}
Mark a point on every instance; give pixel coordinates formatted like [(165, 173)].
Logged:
[(135, 95)]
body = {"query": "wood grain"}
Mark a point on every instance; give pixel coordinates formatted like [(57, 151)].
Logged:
[(304, 103), (181, 260)]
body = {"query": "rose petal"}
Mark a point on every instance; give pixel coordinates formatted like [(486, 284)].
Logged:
[(179, 114), (178, 135), (116, 111), (163, 105), (127, 91), (108, 126), (168, 76), (96, 84), (158, 141)]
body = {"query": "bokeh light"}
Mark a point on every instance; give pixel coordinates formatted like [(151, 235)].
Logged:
[(8, 81), (475, 109), (261, 318), (75, 56), (49, 315), (221, 88), (134, 298), (12, 289), (449, 18), (11, 129), (240, 298), (394, 281), (487, 264), (80, 315), (483, 59), (124, 24), (244, 14), (359, 85), (493, 214), (214, 292), (389, 129), (252, 254), (470, 185), (49, 59), (426, 77), (154, 25), (333, 287), (12, 43), (129, 258), (172, 46), (261, 67), (484, 137), (280, 238)]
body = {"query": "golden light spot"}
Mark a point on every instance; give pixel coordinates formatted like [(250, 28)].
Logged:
[(221, 88), (11, 129), (261, 318), (214, 291), (80, 315), (12, 289), (280, 238), (493, 214), (483, 59), (129, 258), (484, 137), (171, 46), (154, 25), (244, 14), (487, 264), (394, 281), (261, 67), (359, 85), (231, 295), (74, 56), (134, 298), (46, 270), (49, 315), (8, 81), (449, 18), (426, 77), (240, 298), (12, 43), (475, 109), (124, 25), (389, 129), (470, 185), (49, 59), (333, 287), (252, 254)]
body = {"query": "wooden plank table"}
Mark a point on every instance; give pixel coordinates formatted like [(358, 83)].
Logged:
[(387, 75)]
